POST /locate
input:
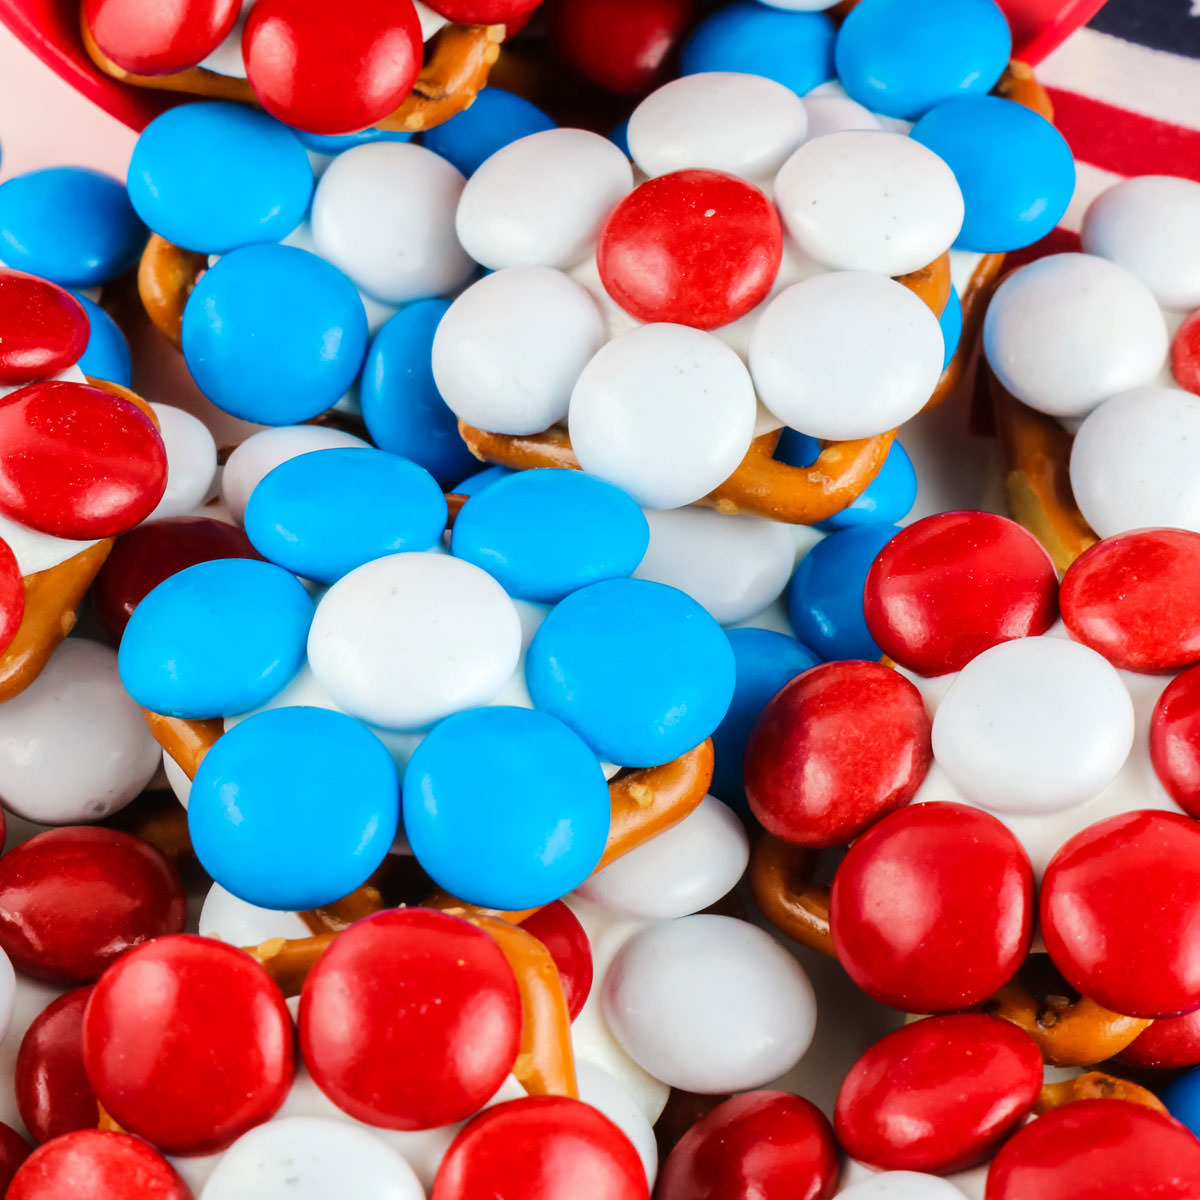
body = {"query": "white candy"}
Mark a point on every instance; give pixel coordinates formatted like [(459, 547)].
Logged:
[(540, 201), (510, 348), (177, 777), (846, 355), (665, 412), (408, 639), (73, 746), (35, 551), (191, 461), (709, 1004), (1034, 726), (719, 120), (1150, 225), (801, 5), (869, 201), (8, 993), (1070, 330), (901, 1185), (679, 872), (1133, 462), (599, 1089), (837, 114), (384, 214), (231, 920)]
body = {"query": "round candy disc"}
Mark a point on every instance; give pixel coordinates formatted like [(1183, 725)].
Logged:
[(12, 596), (1172, 1042), (1185, 354), (107, 355), (901, 1185), (559, 930), (191, 461), (496, 119), (1175, 740), (53, 1093), (159, 41), (44, 329), (94, 1164)]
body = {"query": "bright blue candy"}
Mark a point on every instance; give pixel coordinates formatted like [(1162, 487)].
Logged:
[(496, 119), (543, 534), (213, 176), (951, 323), (765, 661), (1182, 1098), (320, 144), (1015, 170), (639, 670), (274, 334), (505, 807), (322, 514), (294, 808), (796, 449), (620, 138), (107, 355), (901, 59), (70, 225), (793, 48), (404, 412), (217, 639), (474, 484), (826, 597)]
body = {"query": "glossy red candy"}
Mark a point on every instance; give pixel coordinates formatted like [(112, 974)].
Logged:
[(938, 1095), (329, 68), (932, 908), (540, 1148), (12, 596), (1175, 740), (839, 747), (53, 1093), (765, 1145), (96, 1165), (697, 248), (43, 328), (159, 39), (1098, 1150), (950, 586), (483, 12), (188, 1043), (1171, 1043), (559, 930), (411, 1019), (1185, 354), (14, 1150), (1120, 911)]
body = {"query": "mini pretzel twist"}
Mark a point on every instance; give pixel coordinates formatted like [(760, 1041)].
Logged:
[(781, 883), (1095, 1085)]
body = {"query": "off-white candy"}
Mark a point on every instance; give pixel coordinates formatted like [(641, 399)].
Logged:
[(8, 993), (599, 1089), (1070, 330), (35, 551), (709, 1004), (238, 923), (665, 412), (177, 777), (540, 201), (862, 200), (901, 1185), (191, 461), (837, 114), (801, 5), (846, 355)]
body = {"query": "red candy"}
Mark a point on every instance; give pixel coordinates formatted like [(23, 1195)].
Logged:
[(839, 747), (188, 1043), (53, 1093), (12, 596), (938, 1095), (329, 69), (1185, 354), (43, 329), (541, 1148), (411, 1019), (159, 39), (694, 248), (14, 1150), (78, 462), (96, 1165), (932, 909), (1175, 740), (1173, 1042), (951, 586), (559, 930), (765, 1145), (483, 12), (1120, 917)]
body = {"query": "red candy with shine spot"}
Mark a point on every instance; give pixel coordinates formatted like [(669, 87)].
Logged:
[(14, 1150), (94, 1164), (483, 12), (1185, 354), (12, 596), (188, 1043), (950, 586), (559, 930), (697, 248), (1175, 740), (766, 1145), (836, 749), (53, 1093), (159, 39), (938, 1095), (1120, 917), (1171, 1043), (43, 328)]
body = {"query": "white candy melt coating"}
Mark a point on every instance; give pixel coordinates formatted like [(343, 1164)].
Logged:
[(846, 355), (709, 1004), (231, 920), (177, 777), (719, 120), (191, 461), (378, 313), (901, 1185), (800, 5), (837, 114), (599, 1089), (665, 412), (35, 551), (73, 746), (862, 200), (408, 639), (540, 201), (510, 348), (1070, 330)]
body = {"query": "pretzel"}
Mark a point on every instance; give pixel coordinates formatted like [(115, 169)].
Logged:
[(781, 883), (1095, 1085)]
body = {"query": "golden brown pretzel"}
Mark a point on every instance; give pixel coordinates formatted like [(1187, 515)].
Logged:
[(781, 883), (1095, 1085)]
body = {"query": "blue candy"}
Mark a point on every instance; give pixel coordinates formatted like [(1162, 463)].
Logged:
[(793, 48), (274, 334), (826, 598), (213, 176), (505, 807), (620, 138), (107, 355), (1014, 168), (474, 484), (294, 808), (217, 639), (639, 670), (496, 119), (901, 59), (951, 322), (1182, 1098), (70, 225), (319, 143), (543, 534), (404, 412)]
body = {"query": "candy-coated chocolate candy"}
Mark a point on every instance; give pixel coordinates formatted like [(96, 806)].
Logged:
[(835, 750), (938, 1095), (107, 355), (162, 40), (833, 113), (1185, 354), (478, 481), (433, 1022), (1175, 740), (231, 920), (45, 329), (93, 1164), (1170, 1043), (8, 992), (53, 1093), (496, 119), (188, 1043), (602, 1091), (901, 1185), (484, 12), (951, 322), (764, 1144), (559, 930), (950, 586), (191, 461), (12, 596), (14, 1150)]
